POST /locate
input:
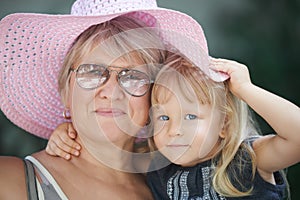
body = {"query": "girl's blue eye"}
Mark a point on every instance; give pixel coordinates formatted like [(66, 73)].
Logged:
[(190, 117), (163, 118)]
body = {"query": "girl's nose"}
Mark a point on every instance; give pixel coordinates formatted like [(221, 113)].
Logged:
[(175, 129)]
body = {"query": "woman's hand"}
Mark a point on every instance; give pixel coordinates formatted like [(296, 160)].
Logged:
[(62, 142)]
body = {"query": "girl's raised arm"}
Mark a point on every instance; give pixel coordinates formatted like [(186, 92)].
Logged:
[(274, 152)]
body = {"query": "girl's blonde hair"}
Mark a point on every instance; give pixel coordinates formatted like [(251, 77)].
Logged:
[(229, 160), (121, 38)]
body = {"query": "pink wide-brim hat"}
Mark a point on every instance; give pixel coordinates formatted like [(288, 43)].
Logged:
[(33, 47)]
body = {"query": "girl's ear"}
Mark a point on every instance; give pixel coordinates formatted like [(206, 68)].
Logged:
[(223, 132)]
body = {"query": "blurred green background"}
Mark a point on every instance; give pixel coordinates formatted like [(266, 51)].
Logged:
[(264, 35)]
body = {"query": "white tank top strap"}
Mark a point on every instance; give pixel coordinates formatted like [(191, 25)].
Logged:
[(47, 177), (40, 190)]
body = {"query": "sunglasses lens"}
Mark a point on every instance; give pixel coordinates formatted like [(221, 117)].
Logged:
[(91, 76), (134, 82)]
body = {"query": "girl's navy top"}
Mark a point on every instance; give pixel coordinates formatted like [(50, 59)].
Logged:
[(194, 183)]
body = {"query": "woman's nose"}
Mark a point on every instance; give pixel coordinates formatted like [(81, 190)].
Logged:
[(111, 89)]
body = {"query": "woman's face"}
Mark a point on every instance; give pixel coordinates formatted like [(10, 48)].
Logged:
[(107, 113)]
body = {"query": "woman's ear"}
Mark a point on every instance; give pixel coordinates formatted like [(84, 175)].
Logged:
[(65, 98), (65, 88), (66, 101), (66, 92)]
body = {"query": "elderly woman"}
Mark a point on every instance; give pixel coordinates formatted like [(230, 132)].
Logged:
[(106, 112), (107, 54)]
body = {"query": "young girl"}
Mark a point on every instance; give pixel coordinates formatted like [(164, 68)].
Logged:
[(205, 129)]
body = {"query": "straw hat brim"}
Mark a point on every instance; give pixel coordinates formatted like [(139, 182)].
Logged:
[(32, 49)]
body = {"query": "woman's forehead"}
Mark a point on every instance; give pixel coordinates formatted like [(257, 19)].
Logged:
[(127, 60)]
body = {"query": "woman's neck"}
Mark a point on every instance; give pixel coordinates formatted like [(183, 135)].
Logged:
[(119, 172), (87, 176), (108, 155)]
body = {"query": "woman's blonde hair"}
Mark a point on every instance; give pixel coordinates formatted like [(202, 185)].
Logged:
[(229, 160), (121, 38)]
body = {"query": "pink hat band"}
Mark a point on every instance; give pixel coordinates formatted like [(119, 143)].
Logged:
[(33, 47), (107, 7)]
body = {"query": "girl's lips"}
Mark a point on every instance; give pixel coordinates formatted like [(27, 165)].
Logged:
[(109, 112)]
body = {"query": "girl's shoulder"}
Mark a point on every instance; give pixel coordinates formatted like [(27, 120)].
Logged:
[(244, 174), (249, 141)]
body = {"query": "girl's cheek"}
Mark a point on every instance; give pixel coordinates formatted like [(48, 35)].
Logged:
[(158, 141)]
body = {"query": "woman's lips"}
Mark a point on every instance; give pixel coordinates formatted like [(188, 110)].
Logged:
[(110, 112), (177, 145)]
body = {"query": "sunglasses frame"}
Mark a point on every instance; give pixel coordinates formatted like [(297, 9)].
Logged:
[(106, 69)]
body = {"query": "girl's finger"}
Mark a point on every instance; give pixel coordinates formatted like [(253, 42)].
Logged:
[(54, 150), (71, 131), (68, 145)]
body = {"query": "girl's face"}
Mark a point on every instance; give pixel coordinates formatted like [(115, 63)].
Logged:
[(185, 131), (107, 114)]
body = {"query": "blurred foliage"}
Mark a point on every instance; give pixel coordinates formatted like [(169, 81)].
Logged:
[(264, 35), (16, 142)]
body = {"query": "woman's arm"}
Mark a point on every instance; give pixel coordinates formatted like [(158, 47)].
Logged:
[(12, 178)]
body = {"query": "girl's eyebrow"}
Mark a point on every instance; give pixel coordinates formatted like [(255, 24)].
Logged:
[(156, 107)]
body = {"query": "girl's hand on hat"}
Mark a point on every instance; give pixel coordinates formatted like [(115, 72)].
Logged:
[(239, 77), (62, 142)]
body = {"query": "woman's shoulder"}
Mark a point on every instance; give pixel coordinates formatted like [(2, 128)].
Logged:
[(12, 181), (11, 168)]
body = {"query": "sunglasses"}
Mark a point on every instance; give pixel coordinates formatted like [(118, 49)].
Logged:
[(133, 82)]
